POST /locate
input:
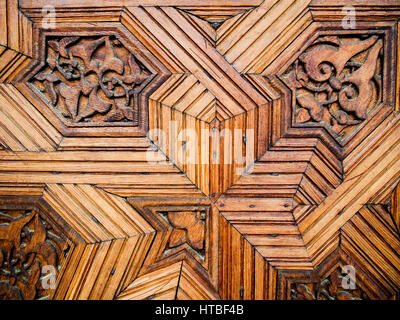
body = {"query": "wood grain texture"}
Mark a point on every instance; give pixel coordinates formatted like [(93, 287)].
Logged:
[(15, 40), (244, 273), (238, 149), (176, 281)]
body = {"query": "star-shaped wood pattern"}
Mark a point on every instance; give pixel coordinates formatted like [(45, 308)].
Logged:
[(200, 149)]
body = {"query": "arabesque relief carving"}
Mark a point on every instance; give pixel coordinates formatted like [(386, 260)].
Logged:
[(92, 80), (27, 244), (189, 227), (328, 289), (338, 81)]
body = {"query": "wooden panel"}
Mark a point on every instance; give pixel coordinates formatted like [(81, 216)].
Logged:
[(236, 149)]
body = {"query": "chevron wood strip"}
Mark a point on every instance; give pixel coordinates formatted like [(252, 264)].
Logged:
[(116, 238), (15, 40), (186, 94), (269, 226), (11, 63), (224, 43), (244, 273), (23, 127), (386, 290), (257, 30), (205, 27), (218, 14), (374, 241), (220, 62), (362, 152), (161, 284), (83, 210), (16, 28), (104, 268), (384, 196), (362, 186), (191, 286), (149, 37), (231, 99)]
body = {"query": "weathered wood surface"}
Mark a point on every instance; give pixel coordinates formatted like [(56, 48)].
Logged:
[(236, 149)]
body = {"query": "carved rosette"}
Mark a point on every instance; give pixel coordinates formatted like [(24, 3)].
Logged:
[(28, 246), (328, 289), (189, 229), (337, 82), (91, 81)]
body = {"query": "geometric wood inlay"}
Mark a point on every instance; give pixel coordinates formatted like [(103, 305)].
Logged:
[(225, 149)]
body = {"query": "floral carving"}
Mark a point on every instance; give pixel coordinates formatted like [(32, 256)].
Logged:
[(337, 81), (27, 243), (92, 80), (328, 289), (189, 227)]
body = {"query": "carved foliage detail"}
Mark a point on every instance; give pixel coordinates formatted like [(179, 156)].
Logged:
[(27, 244), (328, 289), (91, 80), (189, 228), (338, 81)]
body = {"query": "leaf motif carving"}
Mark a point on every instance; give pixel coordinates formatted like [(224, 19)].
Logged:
[(78, 68), (329, 288), (188, 228), (337, 81), (25, 247), (71, 96)]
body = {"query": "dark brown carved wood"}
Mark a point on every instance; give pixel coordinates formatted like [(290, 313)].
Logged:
[(95, 80), (206, 149), (29, 240), (338, 81)]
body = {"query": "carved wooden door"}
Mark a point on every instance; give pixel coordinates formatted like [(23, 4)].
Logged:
[(222, 149)]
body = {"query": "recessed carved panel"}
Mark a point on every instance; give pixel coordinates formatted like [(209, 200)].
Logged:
[(92, 80), (189, 228), (329, 288), (28, 243), (337, 81)]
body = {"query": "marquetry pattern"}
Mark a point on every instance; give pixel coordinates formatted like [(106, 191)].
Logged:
[(331, 281), (243, 271), (177, 281), (185, 232), (15, 40), (99, 243), (244, 150)]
